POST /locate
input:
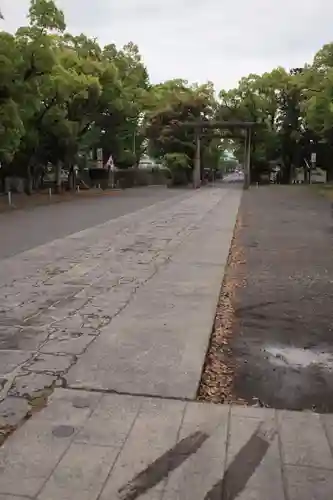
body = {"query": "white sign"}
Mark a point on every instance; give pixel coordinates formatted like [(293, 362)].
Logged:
[(313, 158), (100, 154), (110, 164)]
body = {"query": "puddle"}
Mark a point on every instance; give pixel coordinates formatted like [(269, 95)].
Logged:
[(299, 358)]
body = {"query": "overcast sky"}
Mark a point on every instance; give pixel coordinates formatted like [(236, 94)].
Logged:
[(200, 40)]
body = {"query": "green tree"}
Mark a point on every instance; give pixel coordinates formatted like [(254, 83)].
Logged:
[(125, 88), (38, 60), (317, 107), (61, 95), (172, 104), (11, 124), (273, 100)]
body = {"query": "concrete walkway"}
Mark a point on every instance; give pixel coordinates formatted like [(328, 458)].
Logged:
[(126, 306), (157, 344), (121, 314), (89, 446)]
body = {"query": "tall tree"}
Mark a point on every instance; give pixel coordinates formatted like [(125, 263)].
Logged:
[(176, 102)]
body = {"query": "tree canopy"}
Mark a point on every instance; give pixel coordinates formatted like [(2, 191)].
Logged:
[(294, 109), (62, 96)]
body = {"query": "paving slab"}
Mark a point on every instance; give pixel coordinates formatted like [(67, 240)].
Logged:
[(253, 480), (9, 360), (107, 446), (163, 419), (30, 385), (194, 478), (304, 483), (110, 422), (80, 474), (49, 363), (301, 447), (12, 411)]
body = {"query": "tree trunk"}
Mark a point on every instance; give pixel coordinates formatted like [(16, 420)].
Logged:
[(286, 173), (58, 177), (37, 177), (329, 174), (74, 177), (29, 180), (71, 178), (42, 179)]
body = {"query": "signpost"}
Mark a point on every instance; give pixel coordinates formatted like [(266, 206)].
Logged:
[(99, 158), (313, 165), (313, 158), (111, 166)]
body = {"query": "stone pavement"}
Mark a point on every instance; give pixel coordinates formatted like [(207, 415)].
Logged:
[(90, 446), (126, 306)]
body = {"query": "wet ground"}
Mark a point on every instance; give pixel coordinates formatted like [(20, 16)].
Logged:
[(273, 340)]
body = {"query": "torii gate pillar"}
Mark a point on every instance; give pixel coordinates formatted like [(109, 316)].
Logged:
[(247, 159)]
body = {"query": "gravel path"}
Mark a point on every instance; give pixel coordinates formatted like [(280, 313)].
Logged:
[(273, 340)]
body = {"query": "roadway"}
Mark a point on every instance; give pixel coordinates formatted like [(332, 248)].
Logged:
[(22, 230)]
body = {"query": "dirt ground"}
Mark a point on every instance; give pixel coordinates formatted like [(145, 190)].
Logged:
[(272, 343)]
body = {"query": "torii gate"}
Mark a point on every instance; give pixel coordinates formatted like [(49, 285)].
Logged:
[(199, 126)]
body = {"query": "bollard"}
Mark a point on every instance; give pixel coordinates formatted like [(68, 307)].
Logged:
[(50, 193), (78, 189), (9, 198)]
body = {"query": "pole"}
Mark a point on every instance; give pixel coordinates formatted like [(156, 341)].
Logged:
[(197, 163), (313, 165), (247, 172), (9, 198), (112, 176)]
